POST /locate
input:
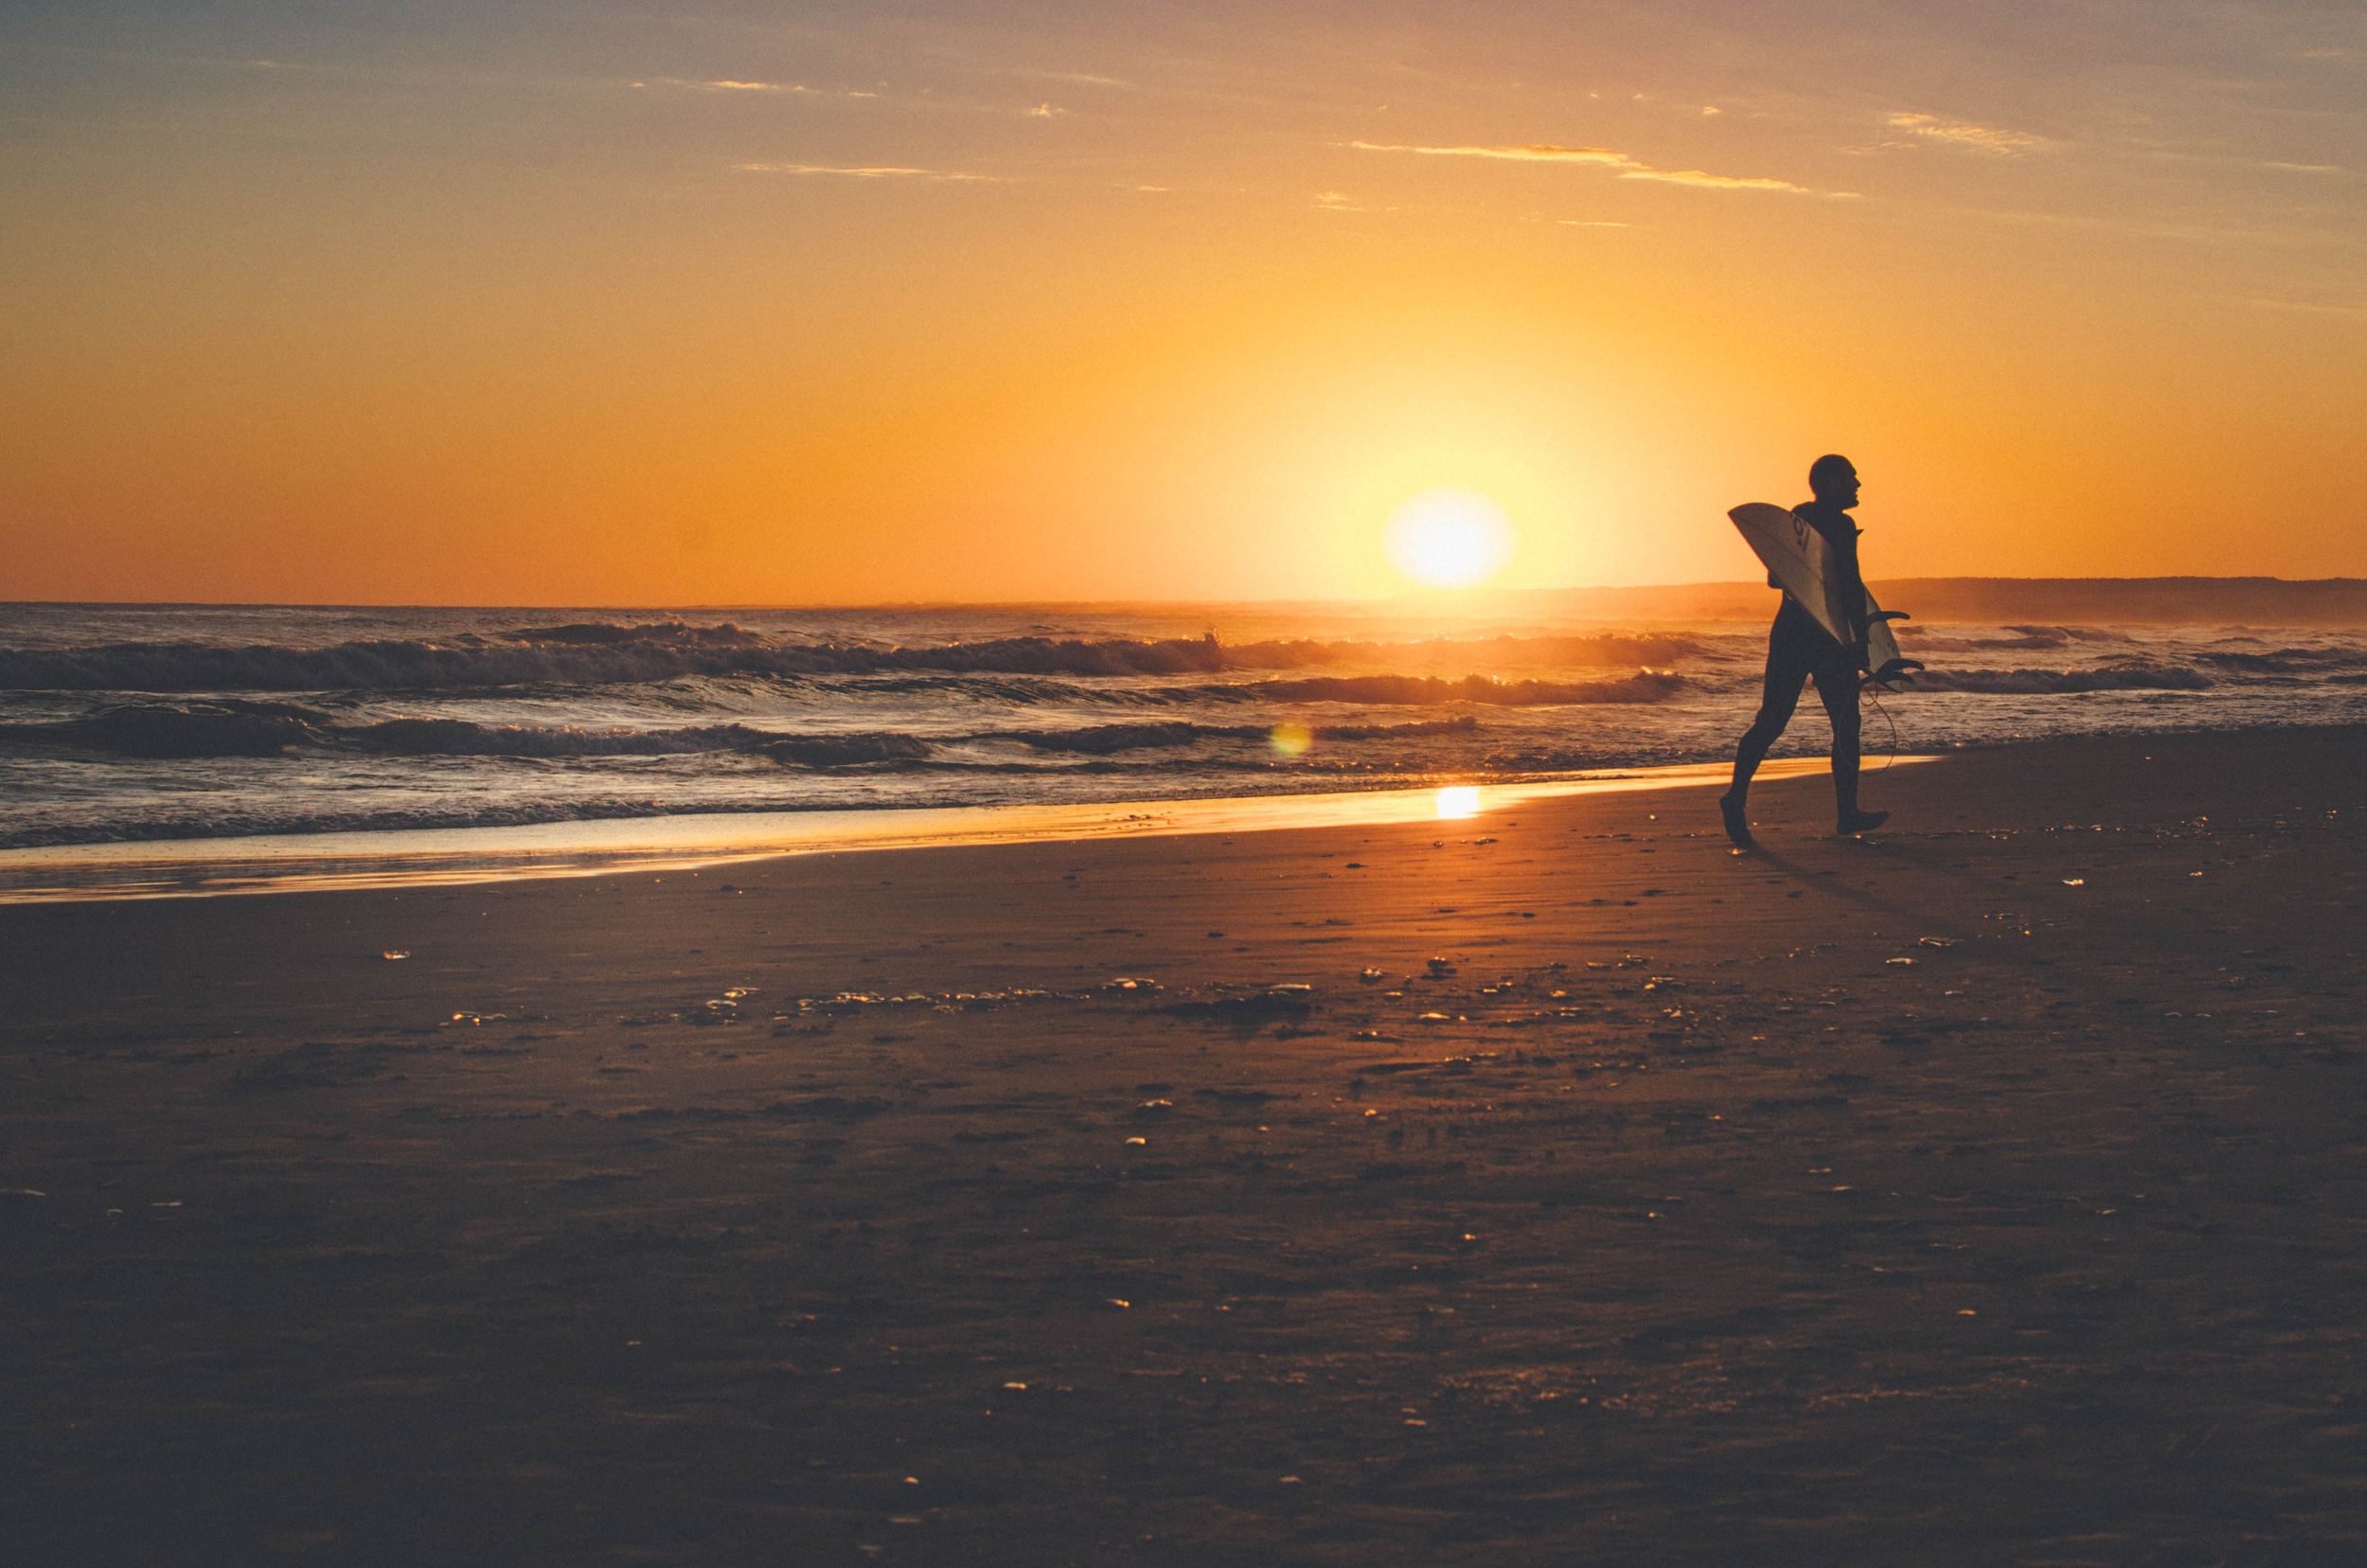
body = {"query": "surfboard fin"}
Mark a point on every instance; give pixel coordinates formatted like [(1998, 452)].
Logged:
[(1899, 670)]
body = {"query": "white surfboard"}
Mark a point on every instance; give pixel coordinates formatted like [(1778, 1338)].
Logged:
[(1800, 563)]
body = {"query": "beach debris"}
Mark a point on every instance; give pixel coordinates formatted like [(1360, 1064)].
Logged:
[(1439, 965), (1129, 982), (1138, 1142), (1900, 963), (1153, 1110), (1370, 976), (1935, 942), (1120, 1303), (22, 1192), (395, 955), (1291, 988), (2074, 881), (473, 1019)]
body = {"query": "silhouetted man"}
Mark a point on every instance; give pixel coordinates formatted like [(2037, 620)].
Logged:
[(1798, 651)]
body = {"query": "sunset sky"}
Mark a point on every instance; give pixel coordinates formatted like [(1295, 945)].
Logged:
[(741, 302)]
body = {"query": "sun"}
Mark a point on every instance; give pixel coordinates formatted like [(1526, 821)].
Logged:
[(1450, 539)]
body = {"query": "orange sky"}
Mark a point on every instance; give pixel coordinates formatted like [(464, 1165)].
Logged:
[(828, 302)]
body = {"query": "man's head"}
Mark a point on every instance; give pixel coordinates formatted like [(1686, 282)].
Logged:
[(1834, 479)]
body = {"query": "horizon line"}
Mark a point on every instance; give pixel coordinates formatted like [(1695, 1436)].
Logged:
[(1438, 598)]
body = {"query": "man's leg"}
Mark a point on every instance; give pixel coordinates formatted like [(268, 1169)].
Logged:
[(1837, 685), (1779, 697)]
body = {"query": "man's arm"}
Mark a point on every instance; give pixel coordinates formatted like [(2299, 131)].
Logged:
[(1844, 541)]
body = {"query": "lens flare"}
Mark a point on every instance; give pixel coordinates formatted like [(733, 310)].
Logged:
[(1450, 539), (1291, 738)]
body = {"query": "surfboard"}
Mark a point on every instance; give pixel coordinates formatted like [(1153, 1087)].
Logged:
[(1799, 562)]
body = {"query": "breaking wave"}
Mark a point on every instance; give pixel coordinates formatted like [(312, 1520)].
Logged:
[(2281, 661), (1103, 739), (1646, 687), (602, 654), (227, 729), (2113, 678)]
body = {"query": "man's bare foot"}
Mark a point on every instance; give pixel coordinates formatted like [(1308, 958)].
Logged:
[(1738, 821), (1861, 822)]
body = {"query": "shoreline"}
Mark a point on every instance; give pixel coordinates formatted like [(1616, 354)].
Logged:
[(441, 857)]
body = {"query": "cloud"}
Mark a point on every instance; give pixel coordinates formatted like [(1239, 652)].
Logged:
[(1046, 110), (736, 84), (1628, 165), (1980, 138), (1726, 181), (1532, 152), (2305, 168), (727, 84), (863, 171)]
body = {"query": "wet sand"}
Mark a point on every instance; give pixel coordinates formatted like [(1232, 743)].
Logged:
[(1992, 1190)]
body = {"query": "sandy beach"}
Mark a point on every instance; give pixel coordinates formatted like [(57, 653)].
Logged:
[(1546, 1186)]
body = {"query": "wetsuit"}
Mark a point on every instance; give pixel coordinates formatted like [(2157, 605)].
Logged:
[(1799, 650)]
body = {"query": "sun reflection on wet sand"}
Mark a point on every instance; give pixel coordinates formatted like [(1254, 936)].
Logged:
[(434, 857)]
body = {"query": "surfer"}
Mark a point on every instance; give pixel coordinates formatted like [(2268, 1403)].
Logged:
[(1799, 650)]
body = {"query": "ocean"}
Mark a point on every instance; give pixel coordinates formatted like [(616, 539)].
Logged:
[(124, 725)]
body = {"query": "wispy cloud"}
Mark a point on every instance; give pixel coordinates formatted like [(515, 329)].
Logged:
[(1628, 165), (737, 84), (1529, 152), (1728, 182), (2304, 167), (1979, 138), (1046, 110), (1340, 201), (864, 172), (724, 84)]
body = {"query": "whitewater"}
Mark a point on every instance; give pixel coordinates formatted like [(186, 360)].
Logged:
[(130, 724)]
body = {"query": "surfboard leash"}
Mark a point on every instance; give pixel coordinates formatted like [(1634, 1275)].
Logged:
[(1874, 694)]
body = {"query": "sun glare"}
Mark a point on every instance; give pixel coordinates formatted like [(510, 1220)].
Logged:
[(1457, 801), (1450, 539)]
